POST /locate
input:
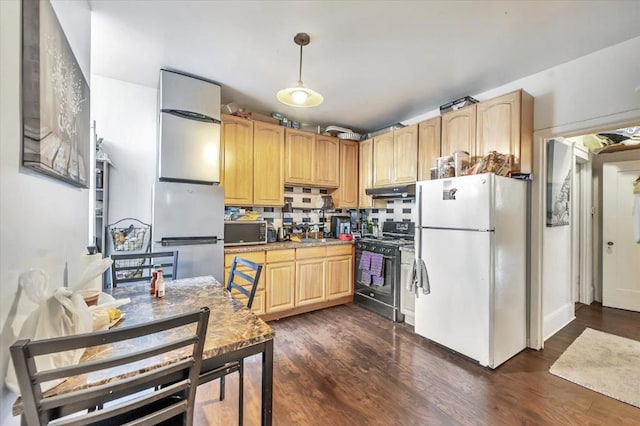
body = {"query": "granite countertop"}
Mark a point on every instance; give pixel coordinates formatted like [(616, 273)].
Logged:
[(285, 245), (231, 326)]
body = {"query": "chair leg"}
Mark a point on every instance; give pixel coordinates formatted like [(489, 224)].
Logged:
[(222, 388), (240, 392)]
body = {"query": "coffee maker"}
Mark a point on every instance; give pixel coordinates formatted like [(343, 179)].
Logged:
[(341, 225)]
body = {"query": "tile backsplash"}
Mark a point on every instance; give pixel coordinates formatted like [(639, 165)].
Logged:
[(303, 201)]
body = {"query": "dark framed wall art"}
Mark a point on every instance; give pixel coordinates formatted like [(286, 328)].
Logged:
[(55, 99), (559, 158)]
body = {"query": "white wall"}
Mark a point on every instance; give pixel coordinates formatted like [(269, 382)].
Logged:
[(43, 222), (125, 116)]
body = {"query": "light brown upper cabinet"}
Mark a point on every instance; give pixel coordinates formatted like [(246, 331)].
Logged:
[(299, 157), (459, 131), (365, 172), (428, 146), (346, 196), (395, 157), (505, 125), (383, 160), (311, 159), (405, 154), (327, 161), (268, 161), (237, 139)]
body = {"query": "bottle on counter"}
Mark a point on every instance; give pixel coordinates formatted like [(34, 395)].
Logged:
[(154, 279), (160, 284)]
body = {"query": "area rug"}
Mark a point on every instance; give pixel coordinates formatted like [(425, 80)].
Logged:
[(603, 362)]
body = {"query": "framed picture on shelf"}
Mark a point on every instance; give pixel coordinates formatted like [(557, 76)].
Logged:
[(55, 99)]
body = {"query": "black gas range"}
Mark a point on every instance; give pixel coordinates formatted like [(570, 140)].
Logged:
[(377, 273)]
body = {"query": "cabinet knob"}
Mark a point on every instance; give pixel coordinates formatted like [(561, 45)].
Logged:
[(609, 243)]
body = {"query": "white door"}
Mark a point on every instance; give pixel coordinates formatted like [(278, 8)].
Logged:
[(620, 252), (456, 313)]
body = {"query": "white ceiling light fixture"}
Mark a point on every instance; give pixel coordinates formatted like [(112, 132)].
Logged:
[(300, 96)]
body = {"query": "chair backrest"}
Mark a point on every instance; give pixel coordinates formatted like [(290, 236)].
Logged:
[(135, 267), (250, 276), (177, 381)]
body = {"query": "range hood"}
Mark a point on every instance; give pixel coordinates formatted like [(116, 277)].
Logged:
[(400, 191), (188, 129)]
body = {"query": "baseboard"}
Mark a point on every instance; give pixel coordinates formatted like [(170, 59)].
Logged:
[(557, 319)]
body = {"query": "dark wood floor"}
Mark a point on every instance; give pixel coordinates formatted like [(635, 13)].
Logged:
[(347, 366)]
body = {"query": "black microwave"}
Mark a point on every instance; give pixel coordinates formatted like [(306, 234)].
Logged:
[(245, 232)]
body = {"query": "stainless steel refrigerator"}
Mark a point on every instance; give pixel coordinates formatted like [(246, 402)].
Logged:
[(190, 218), (472, 237), (188, 206)]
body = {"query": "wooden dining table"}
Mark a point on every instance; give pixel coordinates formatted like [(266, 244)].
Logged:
[(233, 334)]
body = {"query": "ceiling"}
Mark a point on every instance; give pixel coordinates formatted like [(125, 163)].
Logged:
[(375, 62)]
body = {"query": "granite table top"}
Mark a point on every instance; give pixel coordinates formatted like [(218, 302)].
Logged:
[(285, 245), (231, 327)]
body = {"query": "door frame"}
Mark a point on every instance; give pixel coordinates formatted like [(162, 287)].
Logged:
[(581, 254), (535, 339)]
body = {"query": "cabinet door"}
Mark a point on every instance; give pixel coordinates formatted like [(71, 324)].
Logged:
[(310, 281), (339, 276), (365, 171), (326, 164), (499, 126), (428, 146), (237, 134), (383, 161), (268, 162), (459, 131), (347, 194), (299, 157), (280, 286), (405, 154)]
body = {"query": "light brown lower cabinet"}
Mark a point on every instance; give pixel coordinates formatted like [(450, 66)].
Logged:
[(339, 276), (280, 272), (294, 281), (310, 281), (259, 306)]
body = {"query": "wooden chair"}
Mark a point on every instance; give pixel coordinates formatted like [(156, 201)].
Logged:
[(136, 267), (238, 280), (171, 389)]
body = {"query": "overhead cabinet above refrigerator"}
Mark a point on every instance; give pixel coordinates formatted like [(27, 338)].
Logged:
[(189, 129)]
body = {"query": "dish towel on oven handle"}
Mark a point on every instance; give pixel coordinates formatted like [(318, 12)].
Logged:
[(365, 261), (419, 278), (365, 268), (377, 269)]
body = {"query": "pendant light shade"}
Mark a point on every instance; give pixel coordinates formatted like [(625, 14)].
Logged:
[(300, 96)]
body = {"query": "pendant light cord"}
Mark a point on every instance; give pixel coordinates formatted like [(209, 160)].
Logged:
[(300, 72)]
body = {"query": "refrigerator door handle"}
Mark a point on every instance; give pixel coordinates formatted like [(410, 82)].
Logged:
[(184, 241), (191, 115)]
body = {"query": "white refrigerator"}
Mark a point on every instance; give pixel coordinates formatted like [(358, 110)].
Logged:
[(189, 218), (472, 237)]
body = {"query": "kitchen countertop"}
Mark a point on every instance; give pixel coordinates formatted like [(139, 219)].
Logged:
[(285, 245)]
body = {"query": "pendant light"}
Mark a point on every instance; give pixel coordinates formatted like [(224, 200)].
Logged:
[(300, 96)]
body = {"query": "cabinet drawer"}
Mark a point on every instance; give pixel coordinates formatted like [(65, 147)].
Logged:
[(281, 255), (254, 256), (339, 250), (311, 252)]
